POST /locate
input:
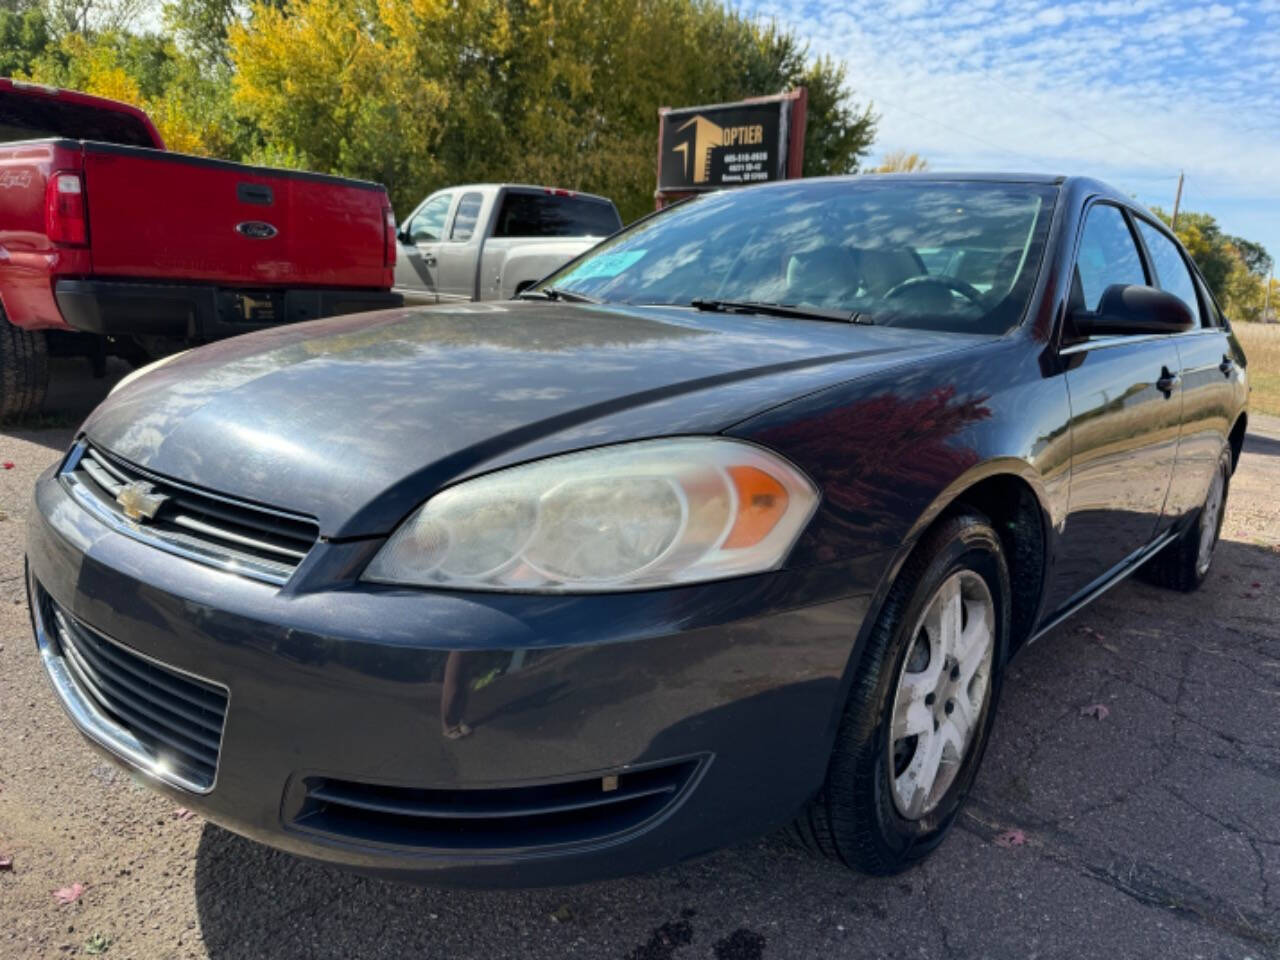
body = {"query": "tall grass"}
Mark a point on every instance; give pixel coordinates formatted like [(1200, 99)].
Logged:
[(1261, 342)]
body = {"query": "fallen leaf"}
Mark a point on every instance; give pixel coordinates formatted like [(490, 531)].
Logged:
[(1255, 584), (562, 914), (97, 944), (182, 813), (6, 863), (1099, 711), (1011, 838), (69, 894), (8, 464)]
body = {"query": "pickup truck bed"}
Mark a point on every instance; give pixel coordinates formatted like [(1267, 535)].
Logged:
[(169, 252), (115, 245)]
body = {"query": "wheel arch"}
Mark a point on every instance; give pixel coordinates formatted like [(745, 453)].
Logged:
[(1236, 438), (1012, 495)]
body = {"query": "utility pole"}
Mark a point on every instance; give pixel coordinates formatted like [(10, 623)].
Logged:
[(1266, 302), (1177, 201)]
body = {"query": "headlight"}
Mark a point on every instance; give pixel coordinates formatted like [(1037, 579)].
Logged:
[(646, 514)]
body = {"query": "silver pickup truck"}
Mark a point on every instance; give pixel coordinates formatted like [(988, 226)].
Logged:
[(490, 241)]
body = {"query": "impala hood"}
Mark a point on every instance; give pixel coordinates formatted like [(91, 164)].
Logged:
[(355, 420)]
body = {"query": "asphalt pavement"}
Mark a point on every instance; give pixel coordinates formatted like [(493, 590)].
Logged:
[(1147, 828)]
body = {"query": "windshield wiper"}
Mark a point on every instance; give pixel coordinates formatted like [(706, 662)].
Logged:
[(554, 293), (779, 310)]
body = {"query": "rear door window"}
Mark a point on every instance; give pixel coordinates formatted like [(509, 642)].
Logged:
[(1172, 273), (464, 221), (555, 215), (1108, 255)]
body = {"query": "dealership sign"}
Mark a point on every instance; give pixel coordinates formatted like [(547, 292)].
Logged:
[(730, 144)]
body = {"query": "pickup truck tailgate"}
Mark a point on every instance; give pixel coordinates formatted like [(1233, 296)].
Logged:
[(160, 215)]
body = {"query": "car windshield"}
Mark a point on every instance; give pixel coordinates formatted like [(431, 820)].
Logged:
[(943, 255)]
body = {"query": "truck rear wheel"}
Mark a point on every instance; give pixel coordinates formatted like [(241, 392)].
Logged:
[(24, 370)]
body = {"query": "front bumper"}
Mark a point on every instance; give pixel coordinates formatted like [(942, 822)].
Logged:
[(200, 312), (734, 685)]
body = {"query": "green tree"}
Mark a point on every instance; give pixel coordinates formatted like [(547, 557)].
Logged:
[(423, 93), (24, 37), (1208, 246), (190, 106), (333, 85), (1235, 269), (1255, 256)]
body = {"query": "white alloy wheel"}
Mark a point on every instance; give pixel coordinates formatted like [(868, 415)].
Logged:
[(942, 689)]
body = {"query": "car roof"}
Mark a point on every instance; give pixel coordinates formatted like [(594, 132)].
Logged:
[(1075, 186)]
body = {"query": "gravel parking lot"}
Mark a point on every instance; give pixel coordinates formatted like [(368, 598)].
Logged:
[(1150, 828)]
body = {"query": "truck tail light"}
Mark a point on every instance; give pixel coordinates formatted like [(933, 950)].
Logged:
[(65, 217), (389, 239)]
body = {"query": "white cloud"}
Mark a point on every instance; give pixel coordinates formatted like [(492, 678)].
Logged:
[(1131, 91)]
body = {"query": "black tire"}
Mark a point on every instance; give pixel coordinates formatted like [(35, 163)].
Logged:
[(1179, 566), (24, 370), (854, 817)]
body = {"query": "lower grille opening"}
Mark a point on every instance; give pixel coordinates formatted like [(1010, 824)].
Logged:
[(555, 814), (169, 722)]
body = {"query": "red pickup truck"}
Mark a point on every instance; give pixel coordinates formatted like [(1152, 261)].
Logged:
[(109, 245)]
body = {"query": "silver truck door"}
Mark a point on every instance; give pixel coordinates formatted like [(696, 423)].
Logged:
[(459, 254), (417, 268)]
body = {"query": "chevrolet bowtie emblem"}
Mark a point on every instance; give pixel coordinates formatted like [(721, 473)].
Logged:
[(138, 502)]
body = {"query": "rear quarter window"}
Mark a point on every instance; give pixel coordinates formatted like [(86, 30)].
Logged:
[(552, 215), (37, 117)]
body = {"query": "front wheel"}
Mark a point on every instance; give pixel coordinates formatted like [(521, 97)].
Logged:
[(24, 370), (917, 719)]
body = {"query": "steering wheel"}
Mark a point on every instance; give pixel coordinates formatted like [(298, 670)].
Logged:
[(968, 291)]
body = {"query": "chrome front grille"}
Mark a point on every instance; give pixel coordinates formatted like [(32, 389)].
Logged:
[(244, 538), (167, 722)]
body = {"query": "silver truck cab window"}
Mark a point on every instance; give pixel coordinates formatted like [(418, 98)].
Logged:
[(464, 221), (428, 223)]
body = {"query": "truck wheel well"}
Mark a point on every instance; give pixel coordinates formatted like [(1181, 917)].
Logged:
[(1014, 511), (1237, 438)]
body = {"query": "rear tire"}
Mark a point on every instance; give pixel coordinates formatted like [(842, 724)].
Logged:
[(1184, 564), (933, 660), (24, 370)]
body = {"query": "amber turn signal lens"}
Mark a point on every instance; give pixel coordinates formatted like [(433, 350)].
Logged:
[(762, 501)]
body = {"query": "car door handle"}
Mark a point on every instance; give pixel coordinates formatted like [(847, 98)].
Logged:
[(1167, 382), (1227, 365), (429, 259)]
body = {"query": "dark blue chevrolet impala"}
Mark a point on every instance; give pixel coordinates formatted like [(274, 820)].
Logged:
[(735, 521)]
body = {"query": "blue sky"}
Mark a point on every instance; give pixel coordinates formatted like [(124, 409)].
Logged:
[(1129, 91)]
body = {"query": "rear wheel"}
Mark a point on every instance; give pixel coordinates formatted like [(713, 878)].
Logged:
[(923, 699), (1184, 564), (24, 370)]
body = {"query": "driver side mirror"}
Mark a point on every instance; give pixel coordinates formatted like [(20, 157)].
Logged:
[(404, 236), (1131, 309)]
